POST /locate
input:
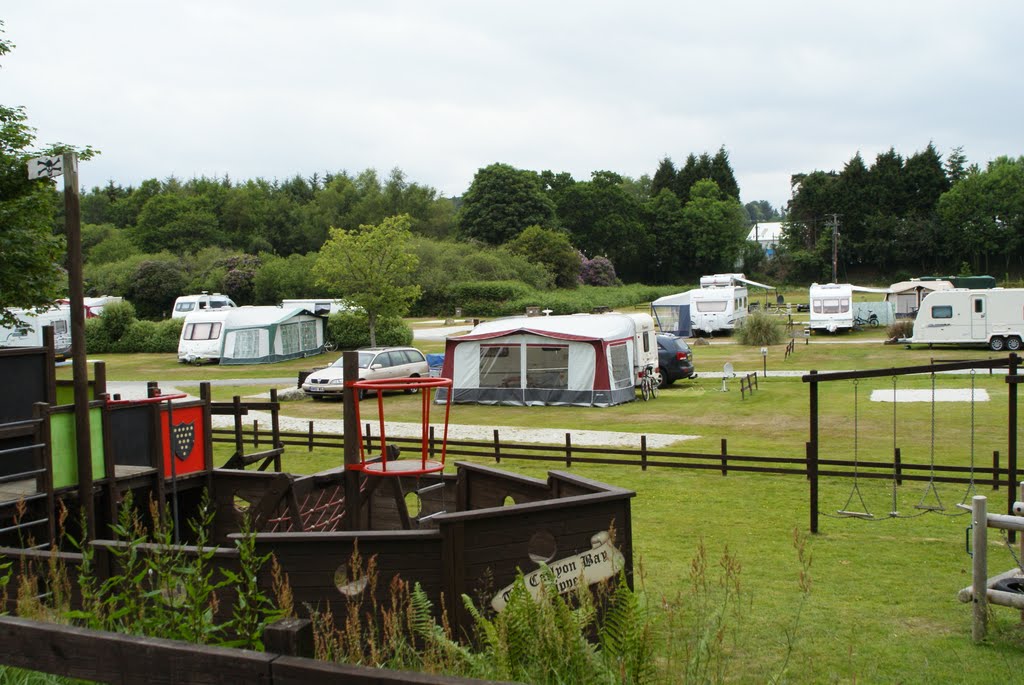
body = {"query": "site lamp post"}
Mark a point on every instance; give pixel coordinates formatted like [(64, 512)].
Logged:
[(764, 361)]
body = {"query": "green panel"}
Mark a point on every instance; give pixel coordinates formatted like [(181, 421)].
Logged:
[(66, 392), (65, 455)]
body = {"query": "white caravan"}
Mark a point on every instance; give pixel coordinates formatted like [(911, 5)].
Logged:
[(250, 335), (318, 305), (721, 302), (832, 306), (993, 317), (186, 304), (28, 332)]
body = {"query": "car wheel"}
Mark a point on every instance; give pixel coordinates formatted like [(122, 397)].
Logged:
[(1013, 343), (316, 398), (666, 381), (996, 344), (412, 391)]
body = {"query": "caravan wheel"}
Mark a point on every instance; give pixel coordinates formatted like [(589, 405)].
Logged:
[(1013, 343), (996, 344)]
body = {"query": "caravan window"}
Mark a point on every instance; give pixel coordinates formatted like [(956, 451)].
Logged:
[(290, 338), (547, 366), (184, 306), (247, 344), (711, 305), (831, 305), (942, 312), (622, 370), (202, 331), (308, 334), (60, 327), (499, 366)]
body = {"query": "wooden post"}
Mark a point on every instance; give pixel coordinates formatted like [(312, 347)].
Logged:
[(310, 437), (979, 568), (995, 469), (812, 452), (99, 386), (351, 427), (255, 433), (568, 450), (80, 371), (643, 452), (1011, 443), (290, 637), (725, 455), (897, 464), (237, 404), (497, 448)]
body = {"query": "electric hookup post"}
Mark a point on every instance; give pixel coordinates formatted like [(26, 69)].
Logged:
[(764, 361)]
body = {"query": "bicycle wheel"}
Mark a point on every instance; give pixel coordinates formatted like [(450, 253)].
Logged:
[(329, 346), (645, 388), (654, 388)]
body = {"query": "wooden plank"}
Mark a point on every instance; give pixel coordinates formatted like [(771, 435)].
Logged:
[(110, 657), (295, 671)]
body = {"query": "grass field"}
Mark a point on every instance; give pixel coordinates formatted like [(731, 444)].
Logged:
[(882, 607)]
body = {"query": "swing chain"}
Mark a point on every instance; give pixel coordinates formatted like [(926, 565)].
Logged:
[(1009, 546)]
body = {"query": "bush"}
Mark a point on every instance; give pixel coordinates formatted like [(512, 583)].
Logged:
[(119, 331), (760, 329), (351, 330), (902, 328)]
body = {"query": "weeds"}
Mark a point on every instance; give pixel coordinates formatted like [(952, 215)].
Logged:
[(759, 329)]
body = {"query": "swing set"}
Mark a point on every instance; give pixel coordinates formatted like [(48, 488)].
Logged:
[(930, 501)]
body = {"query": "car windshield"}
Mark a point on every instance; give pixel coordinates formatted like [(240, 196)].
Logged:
[(365, 359)]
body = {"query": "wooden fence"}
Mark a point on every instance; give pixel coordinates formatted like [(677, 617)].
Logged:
[(114, 658), (748, 384)]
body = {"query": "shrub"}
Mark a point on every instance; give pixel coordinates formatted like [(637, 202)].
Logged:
[(902, 328), (119, 331), (117, 319), (598, 271), (760, 329), (351, 330)]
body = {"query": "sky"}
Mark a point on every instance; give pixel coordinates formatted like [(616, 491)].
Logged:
[(443, 88)]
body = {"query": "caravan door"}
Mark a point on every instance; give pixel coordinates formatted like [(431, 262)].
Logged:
[(979, 322)]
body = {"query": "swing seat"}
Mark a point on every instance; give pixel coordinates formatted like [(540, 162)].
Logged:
[(855, 514)]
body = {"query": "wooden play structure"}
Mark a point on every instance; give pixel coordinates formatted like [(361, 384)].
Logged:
[(467, 531), (1004, 589)]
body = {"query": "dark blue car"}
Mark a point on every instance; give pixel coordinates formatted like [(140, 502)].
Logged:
[(675, 359)]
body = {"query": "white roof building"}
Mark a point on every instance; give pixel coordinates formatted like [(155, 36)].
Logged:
[(767, 234)]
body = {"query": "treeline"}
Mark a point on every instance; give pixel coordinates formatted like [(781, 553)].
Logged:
[(903, 217), (257, 240)]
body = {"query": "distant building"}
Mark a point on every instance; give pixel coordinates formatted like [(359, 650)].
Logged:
[(767, 234)]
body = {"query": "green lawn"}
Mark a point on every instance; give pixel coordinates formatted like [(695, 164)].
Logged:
[(882, 608)]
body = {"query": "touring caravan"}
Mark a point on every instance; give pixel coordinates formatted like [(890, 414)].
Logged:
[(28, 332), (721, 302), (576, 359), (832, 307), (250, 335), (187, 304), (993, 317), (321, 305)]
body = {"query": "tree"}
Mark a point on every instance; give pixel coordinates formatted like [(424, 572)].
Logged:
[(371, 268), (717, 225), (154, 286), (30, 255), (502, 201), (552, 249), (180, 223), (664, 177)]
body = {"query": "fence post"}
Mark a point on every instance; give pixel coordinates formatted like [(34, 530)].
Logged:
[(497, 448), (812, 450), (310, 437), (568, 450), (995, 469), (255, 433), (897, 464), (725, 455), (236, 402), (275, 420), (431, 449), (369, 439), (979, 567), (290, 637), (643, 452), (1011, 442)]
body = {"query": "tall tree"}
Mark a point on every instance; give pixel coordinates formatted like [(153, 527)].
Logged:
[(551, 248), (371, 268), (502, 201), (664, 177), (721, 173), (717, 225), (30, 255)]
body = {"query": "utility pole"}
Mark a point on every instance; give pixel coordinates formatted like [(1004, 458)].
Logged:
[(834, 223)]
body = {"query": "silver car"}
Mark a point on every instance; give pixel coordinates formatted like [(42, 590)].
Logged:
[(375, 363)]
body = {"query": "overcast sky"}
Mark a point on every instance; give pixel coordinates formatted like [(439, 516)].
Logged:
[(271, 89)]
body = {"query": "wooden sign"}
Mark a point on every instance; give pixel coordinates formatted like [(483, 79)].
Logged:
[(601, 562), (45, 167)]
